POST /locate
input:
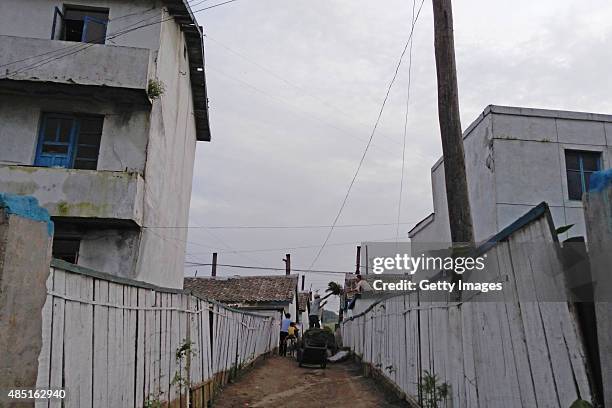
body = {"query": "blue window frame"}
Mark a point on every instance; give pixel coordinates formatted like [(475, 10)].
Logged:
[(80, 24), (579, 166), (70, 141)]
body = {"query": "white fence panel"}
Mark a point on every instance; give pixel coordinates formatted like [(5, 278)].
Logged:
[(114, 342), (504, 351)]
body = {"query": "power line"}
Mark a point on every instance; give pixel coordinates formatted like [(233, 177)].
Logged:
[(239, 227), (370, 140), (401, 189), (282, 79), (294, 247), (296, 109), (79, 44), (231, 250), (85, 46), (196, 264)]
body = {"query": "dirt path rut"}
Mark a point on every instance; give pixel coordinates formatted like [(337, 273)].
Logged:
[(279, 382)]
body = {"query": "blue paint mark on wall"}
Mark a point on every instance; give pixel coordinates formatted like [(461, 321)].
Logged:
[(601, 180), (26, 207)]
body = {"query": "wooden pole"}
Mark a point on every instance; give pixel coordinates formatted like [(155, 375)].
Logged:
[(366, 260), (214, 265), (287, 264), (358, 259), (303, 281), (457, 197)]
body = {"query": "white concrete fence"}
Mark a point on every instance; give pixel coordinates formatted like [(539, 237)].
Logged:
[(510, 353), (113, 342)]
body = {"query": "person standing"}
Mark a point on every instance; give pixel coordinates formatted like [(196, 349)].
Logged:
[(284, 332), (315, 309)]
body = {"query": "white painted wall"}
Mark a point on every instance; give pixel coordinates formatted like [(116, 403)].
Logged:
[(124, 133), (36, 20), (515, 159), (157, 140), (169, 168)]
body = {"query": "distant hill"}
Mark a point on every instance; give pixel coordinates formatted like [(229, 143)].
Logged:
[(329, 317)]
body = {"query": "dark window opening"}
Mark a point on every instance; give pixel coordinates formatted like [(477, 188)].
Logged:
[(70, 141), (579, 166), (80, 24), (66, 249)]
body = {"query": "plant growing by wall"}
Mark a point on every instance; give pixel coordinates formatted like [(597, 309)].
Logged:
[(183, 357), (153, 401), (155, 89), (431, 392)]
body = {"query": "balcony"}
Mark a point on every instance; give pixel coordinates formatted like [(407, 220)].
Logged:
[(83, 64), (88, 195)]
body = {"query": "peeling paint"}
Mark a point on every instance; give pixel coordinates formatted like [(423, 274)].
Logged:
[(26, 207)]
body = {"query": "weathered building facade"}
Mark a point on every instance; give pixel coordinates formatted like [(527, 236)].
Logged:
[(101, 106), (516, 158)]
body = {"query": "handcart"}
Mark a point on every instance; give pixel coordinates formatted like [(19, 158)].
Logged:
[(313, 348)]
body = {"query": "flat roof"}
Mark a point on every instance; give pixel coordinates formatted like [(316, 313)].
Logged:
[(421, 224)]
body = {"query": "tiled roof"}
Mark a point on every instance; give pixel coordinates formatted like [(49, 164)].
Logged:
[(244, 289), (303, 298)]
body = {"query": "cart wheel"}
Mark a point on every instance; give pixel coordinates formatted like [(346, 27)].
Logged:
[(300, 364), (324, 365)]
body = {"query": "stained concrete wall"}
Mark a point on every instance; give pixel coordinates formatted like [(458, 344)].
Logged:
[(79, 193), (124, 132), (36, 20), (480, 169), (169, 168), (156, 139), (25, 253), (598, 213), (100, 65), (515, 159)]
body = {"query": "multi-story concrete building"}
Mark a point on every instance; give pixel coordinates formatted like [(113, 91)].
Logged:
[(101, 105), (516, 158)]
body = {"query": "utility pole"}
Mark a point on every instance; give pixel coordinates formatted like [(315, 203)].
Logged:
[(287, 261), (214, 265), (358, 259), (459, 214)]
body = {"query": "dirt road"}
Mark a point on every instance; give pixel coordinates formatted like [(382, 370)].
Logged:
[(279, 382)]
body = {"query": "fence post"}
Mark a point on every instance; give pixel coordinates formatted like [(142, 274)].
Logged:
[(598, 218), (25, 253)]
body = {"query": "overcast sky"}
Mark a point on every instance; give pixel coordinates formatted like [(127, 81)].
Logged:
[(295, 87)]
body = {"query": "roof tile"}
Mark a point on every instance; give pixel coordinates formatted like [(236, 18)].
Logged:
[(244, 289)]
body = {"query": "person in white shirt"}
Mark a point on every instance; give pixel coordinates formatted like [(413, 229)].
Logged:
[(284, 332), (361, 286), (316, 307)]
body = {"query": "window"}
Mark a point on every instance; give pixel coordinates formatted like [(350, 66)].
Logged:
[(579, 166), (80, 24), (69, 141), (66, 249)]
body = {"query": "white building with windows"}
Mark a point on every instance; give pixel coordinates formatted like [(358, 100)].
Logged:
[(101, 106), (515, 159)]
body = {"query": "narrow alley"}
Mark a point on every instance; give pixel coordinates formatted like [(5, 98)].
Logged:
[(278, 381)]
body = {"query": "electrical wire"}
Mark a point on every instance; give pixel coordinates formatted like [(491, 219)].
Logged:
[(279, 77), (401, 189), (266, 268), (291, 248), (365, 152), (296, 109), (239, 227), (85, 46)]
